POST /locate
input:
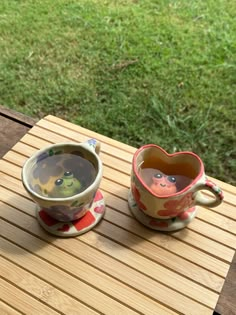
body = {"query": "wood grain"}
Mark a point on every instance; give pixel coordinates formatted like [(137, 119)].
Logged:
[(8, 310), (120, 267), (42, 290), (23, 302)]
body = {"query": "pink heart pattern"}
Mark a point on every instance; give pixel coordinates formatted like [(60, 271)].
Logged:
[(99, 209)]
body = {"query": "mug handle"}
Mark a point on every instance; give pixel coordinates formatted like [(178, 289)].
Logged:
[(214, 189), (94, 145)]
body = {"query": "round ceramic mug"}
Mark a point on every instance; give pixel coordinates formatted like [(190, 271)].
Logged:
[(39, 179), (175, 204)]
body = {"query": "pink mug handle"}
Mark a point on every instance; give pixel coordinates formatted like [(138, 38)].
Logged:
[(214, 189)]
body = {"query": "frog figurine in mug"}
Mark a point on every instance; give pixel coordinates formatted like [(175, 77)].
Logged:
[(66, 186)]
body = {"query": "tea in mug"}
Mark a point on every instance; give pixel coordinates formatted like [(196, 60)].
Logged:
[(62, 175), (163, 184)]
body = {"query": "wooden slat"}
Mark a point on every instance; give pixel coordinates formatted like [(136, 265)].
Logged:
[(205, 244), (112, 142), (181, 302), (217, 220), (7, 310), (219, 235), (41, 290), (186, 235), (70, 284), (16, 116), (114, 265), (169, 243), (124, 167), (22, 301), (158, 254), (163, 240), (149, 249), (89, 133), (78, 137), (136, 270), (75, 267), (226, 209), (94, 277), (213, 232), (114, 174)]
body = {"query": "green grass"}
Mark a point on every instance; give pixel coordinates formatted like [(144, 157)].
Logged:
[(141, 72)]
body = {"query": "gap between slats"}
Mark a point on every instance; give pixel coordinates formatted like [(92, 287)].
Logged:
[(188, 236), (41, 290), (117, 204), (86, 132), (23, 301), (41, 134), (142, 281), (63, 280), (115, 175), (75, 267), (119, 165), (164, 248), (131, 259), (224, 223), (138, 225), (130, 149), (8, 309)]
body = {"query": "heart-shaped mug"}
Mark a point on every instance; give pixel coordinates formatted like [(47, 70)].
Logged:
[(175, 204)]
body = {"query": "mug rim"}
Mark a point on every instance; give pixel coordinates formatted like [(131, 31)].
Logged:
[(189, 186), (60, 199)]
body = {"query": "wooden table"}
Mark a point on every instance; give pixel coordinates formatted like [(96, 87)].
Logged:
[(119, 267)]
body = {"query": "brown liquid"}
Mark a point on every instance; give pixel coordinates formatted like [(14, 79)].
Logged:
[(184, 169), (51, 168), (173, 183)]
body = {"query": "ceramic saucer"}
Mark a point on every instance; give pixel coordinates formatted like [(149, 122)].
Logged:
[(77, 227), (168, 225)]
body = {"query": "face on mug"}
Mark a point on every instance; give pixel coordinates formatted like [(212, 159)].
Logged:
[(166, 185)]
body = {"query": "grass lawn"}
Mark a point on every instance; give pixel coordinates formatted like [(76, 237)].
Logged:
[(140, 71)]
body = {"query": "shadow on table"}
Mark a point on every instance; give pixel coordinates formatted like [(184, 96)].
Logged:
[(119, 225), (21, 230)]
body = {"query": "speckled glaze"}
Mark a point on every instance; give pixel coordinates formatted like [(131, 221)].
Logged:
[(67, 208), (164, 211)]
